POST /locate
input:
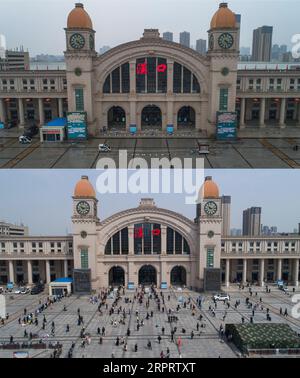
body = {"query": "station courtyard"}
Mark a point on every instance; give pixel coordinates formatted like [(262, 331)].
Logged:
[(205, 343)]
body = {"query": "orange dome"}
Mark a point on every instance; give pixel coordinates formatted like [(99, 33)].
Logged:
[(84, 188), (79, 18), (209, 189), (223, 18)]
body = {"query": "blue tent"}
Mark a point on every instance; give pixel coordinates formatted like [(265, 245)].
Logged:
[(64, 280), (58, 122)]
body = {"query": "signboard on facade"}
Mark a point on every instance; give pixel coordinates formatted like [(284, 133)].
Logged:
[(212, 279), (226, 125), (130, 286), (82, 281), (77, 125), (133, 129), (163, 285), (1, 125), (170, 129)]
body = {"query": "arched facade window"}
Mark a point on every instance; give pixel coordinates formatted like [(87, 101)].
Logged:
[(184, 81), (186, 117), (147, 240), (118, 81), (116, 118), (176, 243), (118, 244), (151, 75)]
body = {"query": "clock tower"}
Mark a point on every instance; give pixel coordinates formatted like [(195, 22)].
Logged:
[(209, 220), (85, 221), (223, 52), (79, 56)]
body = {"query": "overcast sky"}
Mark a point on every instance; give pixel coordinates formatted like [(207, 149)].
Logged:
[(42, 199), (38, 24)]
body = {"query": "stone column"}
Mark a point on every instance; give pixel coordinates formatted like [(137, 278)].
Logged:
[(245, 271), (2, 111), (262, 112), (227, 273), (131, 240), (242, 116), (48, 275), (11, 271), (262, 272), (170, 111), (41, 112), (279, 269), (170, 79), (60, 108), (296, 273), (29, 272), (66, 268), (163, 240), (132, 72), (21, 113), (282, 113), (133, 121)]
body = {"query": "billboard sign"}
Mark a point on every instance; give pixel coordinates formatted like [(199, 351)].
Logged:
[(130, 286), (226, 125), (163, 285), (77, 125)]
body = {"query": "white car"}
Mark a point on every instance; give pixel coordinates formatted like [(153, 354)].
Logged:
[(104, 148), (18, 291), (25, 290), (221, 297), (25, 139)]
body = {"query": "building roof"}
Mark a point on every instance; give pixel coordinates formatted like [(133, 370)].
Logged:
[(63, 280), (209, 189), (79, 18), (223, 18), (84, 188), (58, 122)]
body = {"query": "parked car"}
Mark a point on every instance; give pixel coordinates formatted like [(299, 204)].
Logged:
[(104, 148), (24, 139), (203, 149), (18, 290), (221, 297), (31, 131), (25, 290), (11, 124), (37, 289), (1, 290)]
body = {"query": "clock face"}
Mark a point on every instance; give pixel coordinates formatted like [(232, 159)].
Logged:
[(92, 42), (210, 208), (225, 41), (77, 41), (83, 208), (211, 42)]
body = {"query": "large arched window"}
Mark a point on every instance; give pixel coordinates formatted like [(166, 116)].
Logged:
[(118, 81), (147, 239), (176, 243), (151, 75), (118, 244), (184, 80), (116, 118)]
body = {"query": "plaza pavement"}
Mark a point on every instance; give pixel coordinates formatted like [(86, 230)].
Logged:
[(207, 344), (254, 150)]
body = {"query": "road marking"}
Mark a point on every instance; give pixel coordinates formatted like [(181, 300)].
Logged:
[(281, 155), (12, 163)]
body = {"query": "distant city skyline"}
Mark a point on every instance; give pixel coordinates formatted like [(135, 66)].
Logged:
[(42, 200), (169, 18)]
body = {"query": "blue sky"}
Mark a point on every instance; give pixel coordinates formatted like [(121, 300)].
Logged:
[(119, 21), (42, 199)]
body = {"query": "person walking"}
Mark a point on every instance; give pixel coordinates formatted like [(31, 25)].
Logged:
[(159, 339)]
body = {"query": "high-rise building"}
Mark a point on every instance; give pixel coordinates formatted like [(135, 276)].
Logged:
[(15, 60), (226, 203), (201, 46), (262, 44), (168, 36), (2, 46), (8, 229), (185, 39), (252, 221)]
